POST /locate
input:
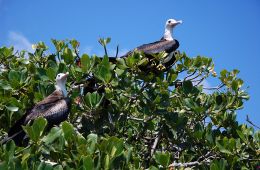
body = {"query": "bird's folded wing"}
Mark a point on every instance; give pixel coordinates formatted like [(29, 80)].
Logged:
[(55, 96), (40, 108), (156, 47), (159, 46)]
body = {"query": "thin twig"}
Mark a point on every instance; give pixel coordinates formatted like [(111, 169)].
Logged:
[(190, 75), (202, 159), (193, 78), (117, 47), (250, 122), (105, 48), (214, 88), (155, 143), (200, 81), (187, 164), (134, 118)]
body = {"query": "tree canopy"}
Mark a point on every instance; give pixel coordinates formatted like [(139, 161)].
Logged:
[(124, 117)]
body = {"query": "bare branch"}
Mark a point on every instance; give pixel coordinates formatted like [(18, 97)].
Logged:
[(134, 118), (200, 81), (155, 143), (202, 159), (250, 122), (187, 164), (214, 88), (117, 47), (190, 75)]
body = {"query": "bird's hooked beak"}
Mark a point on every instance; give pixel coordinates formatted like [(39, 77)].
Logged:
[(64, 77), (176, 23)]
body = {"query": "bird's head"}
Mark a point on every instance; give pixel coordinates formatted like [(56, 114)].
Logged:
[(61, 78), (171, 23)]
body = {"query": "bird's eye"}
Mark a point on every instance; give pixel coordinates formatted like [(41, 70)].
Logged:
[(169, 21), (58, 75)]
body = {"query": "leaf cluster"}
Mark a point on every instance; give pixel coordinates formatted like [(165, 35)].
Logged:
[(123, 117)]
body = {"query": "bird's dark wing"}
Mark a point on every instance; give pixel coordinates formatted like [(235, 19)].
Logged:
[(55, 96), (18, 125), (45, 107), (156, 47), (159, 46), (58, 112), (54, 108), (35, 112)]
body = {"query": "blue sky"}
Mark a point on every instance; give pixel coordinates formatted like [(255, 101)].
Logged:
[(227, 31)]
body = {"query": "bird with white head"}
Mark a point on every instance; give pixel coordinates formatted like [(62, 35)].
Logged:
[(169, 25), (166, 44), (54, 108), (61, 80)]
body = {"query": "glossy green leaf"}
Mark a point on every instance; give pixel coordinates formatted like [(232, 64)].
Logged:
[(12, 108), (88, 163), (37, 129), (162, 158), (92, 141), (103, 71), (85, 63), (68, 56), (187, 86), (93, 100), (68, 130), (54, 134)]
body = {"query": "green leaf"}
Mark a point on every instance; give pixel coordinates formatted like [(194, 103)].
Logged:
[(59, 45), (68, 56), (223, 73), (68, 130), (58, 167), (223, 148), (104, 41), (5, 85), (51, 73), (113, 146), (234, 85), (171, 77), (12, 108), (93, 100), (44, 166), (153, 168), (10, 149), (14, 76), (74, 43), (103, 70), (92, 141), (37, 129), (25, 158), (162, 158), (187, 86), (87, 163), (219, 99), (119, 72), (52, 135), (62, 68), (218, 164), (241, 135), (85, 63), (7, 51)]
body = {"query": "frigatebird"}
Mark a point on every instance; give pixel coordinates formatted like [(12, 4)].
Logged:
[(54, 108), (166, 44)]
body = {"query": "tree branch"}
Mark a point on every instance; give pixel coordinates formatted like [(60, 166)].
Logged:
[(214, 88), (155, 143), (190, 75), (250, 122), (204, 159)]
